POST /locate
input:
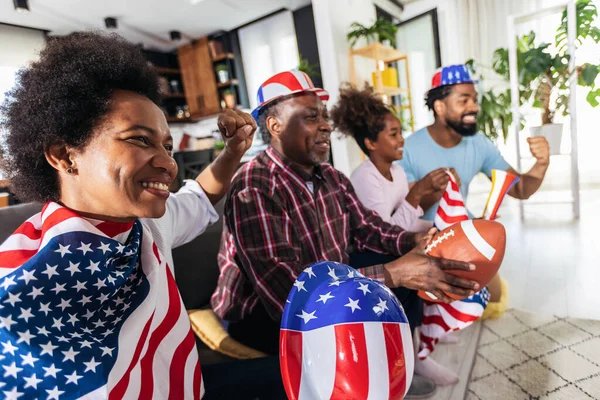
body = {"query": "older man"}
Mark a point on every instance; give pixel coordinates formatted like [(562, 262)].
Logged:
[(289, 208)]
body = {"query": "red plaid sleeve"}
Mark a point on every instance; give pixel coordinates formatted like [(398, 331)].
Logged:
[(263, 235)]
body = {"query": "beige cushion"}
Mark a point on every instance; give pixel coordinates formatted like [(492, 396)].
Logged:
[(207, 325)]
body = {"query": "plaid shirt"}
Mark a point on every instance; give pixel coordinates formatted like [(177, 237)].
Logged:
[(278, 220)]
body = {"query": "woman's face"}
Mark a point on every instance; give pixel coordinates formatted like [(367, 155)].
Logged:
[(126, 169), (390, 142)]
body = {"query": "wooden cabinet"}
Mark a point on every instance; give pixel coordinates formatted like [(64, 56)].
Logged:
[(199, 79)]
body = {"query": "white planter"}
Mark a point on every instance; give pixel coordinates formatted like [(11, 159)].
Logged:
[(552, 133), (223, 76)]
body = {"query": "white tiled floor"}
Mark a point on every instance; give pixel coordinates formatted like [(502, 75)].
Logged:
[(552, 262)]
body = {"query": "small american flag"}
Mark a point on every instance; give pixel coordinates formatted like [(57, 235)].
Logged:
[(502, 182), (440, 319), (344, 336), (85, 314), (451, 208)]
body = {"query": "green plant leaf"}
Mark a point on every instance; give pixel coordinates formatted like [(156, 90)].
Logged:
[(593, 97), (589, 74)]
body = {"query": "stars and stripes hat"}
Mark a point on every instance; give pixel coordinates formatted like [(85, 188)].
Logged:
[(451, 75), (344, 336), (284, 84)]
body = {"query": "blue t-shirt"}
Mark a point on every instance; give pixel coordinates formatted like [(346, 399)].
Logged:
[(472, 155)]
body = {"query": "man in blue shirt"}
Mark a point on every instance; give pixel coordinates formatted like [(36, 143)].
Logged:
[(454, 142)]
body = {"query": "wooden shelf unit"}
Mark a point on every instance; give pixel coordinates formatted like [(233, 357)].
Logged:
[(232, 82), (381, 54), (173, 95), (225, 56), (167, 71)]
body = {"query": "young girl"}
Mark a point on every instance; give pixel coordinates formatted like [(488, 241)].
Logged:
[(381, 184)]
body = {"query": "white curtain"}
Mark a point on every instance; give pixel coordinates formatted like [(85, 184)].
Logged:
[(268, 47)]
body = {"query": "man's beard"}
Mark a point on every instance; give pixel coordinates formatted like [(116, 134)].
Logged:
[(462, 128), (318, 159)]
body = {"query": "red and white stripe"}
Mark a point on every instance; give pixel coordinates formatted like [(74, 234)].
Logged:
[(451, 208), (440, 319), (329, 362)]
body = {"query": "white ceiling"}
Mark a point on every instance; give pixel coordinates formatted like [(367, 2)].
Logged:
[(144, 21)]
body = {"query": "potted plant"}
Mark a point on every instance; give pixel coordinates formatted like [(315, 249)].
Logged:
[(229, 98), (383, 30), (312, 70), (222, 73), (544, 72), (219, 146)]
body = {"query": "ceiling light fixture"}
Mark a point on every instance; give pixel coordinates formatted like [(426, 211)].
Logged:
[(21, 6), (110, 23), (194, 2), (175, 35)]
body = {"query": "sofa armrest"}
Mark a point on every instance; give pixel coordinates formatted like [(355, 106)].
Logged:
[(207, 326)]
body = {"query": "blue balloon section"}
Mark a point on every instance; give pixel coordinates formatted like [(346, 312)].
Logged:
[(331, 293)]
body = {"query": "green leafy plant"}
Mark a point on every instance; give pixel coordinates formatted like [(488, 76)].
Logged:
[(221, 67), (227, 91), (219, 145), (312, 70), (543, 71), (382, 29), (544, 68), (495, 116)]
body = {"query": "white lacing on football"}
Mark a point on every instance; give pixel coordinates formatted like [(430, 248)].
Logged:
[(439, 240)]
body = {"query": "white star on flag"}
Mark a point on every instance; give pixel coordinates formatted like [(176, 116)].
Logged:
[(325, 297), (306, 316), (52, 370), (63, 250), (104, 247), (353, 305), (51, 271), (332, 274), (27, 276), (299, 285), (85, 248), (8, 281), (73, 267), (73, 378), (364, 288), (32, 381)]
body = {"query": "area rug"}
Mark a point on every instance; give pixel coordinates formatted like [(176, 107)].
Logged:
[(527, 356)]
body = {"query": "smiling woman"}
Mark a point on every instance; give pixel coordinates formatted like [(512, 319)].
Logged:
[(84, 135)]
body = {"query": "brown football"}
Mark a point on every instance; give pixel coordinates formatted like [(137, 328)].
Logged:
[(478, 241)]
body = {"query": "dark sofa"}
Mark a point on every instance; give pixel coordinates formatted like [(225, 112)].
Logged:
[(196, 269)]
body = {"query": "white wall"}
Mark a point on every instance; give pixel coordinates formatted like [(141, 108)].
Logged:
[(19, 46), (451, 46), (332, 21), (268, 47)]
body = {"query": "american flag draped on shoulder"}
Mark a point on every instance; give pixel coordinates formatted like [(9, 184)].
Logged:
[(84, 313), (441, 319)]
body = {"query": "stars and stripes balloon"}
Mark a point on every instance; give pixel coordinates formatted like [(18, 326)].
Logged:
[(344, 336)]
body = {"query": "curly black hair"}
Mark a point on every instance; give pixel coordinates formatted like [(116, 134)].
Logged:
[(439, 93), (60, 99), (359, 113)]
